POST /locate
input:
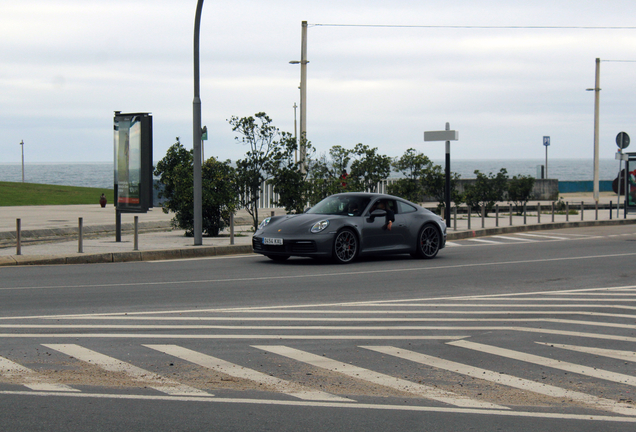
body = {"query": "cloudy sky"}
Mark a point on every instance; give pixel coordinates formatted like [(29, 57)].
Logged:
[(68, 65)]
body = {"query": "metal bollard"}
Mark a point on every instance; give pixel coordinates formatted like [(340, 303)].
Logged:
[(231, 228), (510, 208), (567, 211), (596, 211), (539, 212), (497, 215), (273, 213), (525, 214), (552, 211), (610, 210), (455, 218), (582, 209), (483, 216), (136, 242), (80, 237), (18, 236), (468, 217)]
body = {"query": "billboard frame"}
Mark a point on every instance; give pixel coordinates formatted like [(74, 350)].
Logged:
[(133, 167)]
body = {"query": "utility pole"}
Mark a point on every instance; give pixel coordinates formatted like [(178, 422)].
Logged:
[(597, 90), (303, 97)]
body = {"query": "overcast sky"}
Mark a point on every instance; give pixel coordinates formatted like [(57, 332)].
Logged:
[(67, 65)]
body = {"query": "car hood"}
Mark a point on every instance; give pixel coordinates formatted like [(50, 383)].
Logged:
[(295, 224)]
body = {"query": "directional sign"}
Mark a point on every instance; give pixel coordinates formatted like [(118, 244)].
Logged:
[(445, 135), (622, 140), (546, 141)]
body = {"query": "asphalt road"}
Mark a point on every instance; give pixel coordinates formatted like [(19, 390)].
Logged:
[(517, 332)]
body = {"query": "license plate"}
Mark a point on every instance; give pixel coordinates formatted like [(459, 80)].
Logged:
[(273, 241)]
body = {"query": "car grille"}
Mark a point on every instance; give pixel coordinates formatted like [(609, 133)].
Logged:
[(293, 246)]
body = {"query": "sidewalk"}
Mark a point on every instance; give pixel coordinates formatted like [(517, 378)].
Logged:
[(49, 233)]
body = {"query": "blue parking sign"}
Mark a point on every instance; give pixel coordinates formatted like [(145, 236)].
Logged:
[(546, 141)]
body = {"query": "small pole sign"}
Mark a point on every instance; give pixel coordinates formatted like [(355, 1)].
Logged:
[(546, 143)]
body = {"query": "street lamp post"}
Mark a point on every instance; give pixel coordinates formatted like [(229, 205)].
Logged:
[(196, 134), (22, 145), (596, 90)]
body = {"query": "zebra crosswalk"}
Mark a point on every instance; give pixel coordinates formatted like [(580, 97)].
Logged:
[(570, 352)]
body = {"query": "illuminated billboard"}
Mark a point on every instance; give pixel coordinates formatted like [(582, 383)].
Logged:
[(133, 162)]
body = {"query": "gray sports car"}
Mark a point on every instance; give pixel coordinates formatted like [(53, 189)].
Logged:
[(348, 225)]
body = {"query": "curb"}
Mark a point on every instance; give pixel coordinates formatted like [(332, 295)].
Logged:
[(119, 257), (209, 251)]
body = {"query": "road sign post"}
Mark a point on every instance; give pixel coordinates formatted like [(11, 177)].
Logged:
[(448, 136), (546, 144)]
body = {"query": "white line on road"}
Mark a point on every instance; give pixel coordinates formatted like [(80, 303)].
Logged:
[(153, 380), (543, 236), (616, 354), (505, 379), (30, 378), (479, 240), (237, 336), (277, 384), (314, 404), (378, 378), (548, 362), (514, 239)]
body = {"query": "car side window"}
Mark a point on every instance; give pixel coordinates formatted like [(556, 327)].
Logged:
[(405, 208)]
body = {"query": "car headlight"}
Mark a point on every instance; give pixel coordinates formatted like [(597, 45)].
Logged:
[(320, 226), (264, 223)]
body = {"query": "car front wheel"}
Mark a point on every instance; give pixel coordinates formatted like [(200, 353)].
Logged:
[(345, 247), (428, 242)]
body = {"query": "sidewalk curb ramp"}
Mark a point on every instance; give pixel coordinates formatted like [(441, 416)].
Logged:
[(211, 251)]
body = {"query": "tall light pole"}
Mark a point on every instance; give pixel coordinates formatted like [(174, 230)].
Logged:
[(596, 90), (22, 145), (295, 134), (196, 133), (303, 95)]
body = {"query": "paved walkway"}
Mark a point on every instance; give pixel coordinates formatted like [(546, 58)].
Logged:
[(49, 233)]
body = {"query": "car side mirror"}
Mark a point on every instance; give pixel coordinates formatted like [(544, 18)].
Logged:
[(377, 213)]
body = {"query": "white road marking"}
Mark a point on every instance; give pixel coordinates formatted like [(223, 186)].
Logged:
[(378, 378), (479, 240), (542, 236), (237, 336), (30, 378), (277, 384), (548, 362), (616, 354), (514, 239), (332, 327), (505, 379), (294, 403), (163, 384), (300, 307), (453, 244)]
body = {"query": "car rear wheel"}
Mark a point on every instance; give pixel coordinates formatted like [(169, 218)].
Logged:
[(345, 247), (278, 257), (428, 242)]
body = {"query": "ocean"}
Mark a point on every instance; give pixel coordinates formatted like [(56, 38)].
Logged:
[(100, 174)]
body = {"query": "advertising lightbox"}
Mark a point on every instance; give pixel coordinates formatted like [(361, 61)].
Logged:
[(133, 162)]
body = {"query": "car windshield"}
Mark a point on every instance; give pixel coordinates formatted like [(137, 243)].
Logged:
[(341, 205)]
